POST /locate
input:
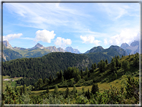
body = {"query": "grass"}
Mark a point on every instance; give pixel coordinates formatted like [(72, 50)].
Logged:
[(102, 86), (10, 83)]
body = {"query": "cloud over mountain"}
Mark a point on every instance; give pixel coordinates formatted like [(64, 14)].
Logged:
[(12, 36), (90, 39), (44, 35), (61, 42)]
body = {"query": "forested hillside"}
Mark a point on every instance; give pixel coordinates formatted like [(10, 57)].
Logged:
[(89, 86), (48, 65)]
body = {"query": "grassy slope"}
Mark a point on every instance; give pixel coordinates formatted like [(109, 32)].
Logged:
[(105, 82)]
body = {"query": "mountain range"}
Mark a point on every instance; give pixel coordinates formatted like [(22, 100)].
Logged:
[(10, 53), (132, 49), (37, 51)]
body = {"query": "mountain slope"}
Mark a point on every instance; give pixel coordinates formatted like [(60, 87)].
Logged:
[(6, 43), (9, 54), (95, 49), (98, 53), (132, 49), (45, 66)]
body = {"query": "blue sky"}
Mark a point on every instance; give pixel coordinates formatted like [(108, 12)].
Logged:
[(79, 25)]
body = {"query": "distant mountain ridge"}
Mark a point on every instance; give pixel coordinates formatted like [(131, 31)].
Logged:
[(95, 49), (70, 49), (132, 49), (98, 53), (101, 49), (37, 51)]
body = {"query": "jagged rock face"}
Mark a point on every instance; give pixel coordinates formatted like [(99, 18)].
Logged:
[(70, 49), (6, 43), (124, 45), (60, 50), (135, 43), (54, 49), (38, 46), (132, 49)]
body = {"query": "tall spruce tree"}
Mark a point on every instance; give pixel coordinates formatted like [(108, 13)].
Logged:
[(95, 88)]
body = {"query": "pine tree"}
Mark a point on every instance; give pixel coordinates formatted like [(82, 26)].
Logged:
[(56, 89), (47, 90), (106, 61), (78, 77), (24, 89), (62, 79), (92, 68), (113, 65), (39, 83), (86, 71), (74, 89), (67, 92), (81, 73), (94, 88), (95, 66), (82, 90), (125, 65)]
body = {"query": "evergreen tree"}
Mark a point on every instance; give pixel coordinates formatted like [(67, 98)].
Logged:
[(74, 89), (39, 83), (62, 79), (95, 66), (56, 89), (67, 92), (106, 61), (113, 65), (87, 94), (89, 74), (61, 74), (95, 88), (92, 68), (81, 73), (125, 65), (47, 89), (58, 75), (86, 71), (78, 77), (82, 90), (24, 89)]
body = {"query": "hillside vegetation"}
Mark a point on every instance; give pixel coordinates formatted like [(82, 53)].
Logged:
[(89, 86), (48, 65)]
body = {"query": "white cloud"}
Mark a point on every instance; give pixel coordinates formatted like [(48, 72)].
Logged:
[(12, 36), (61, 42), (44, 35), (105, 41), (125, 36), (90, 39)]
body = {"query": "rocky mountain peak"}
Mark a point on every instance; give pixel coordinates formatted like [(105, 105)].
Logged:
[(70, 49), (124, 45), (135, 43), (38, 45), (6, 43)]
